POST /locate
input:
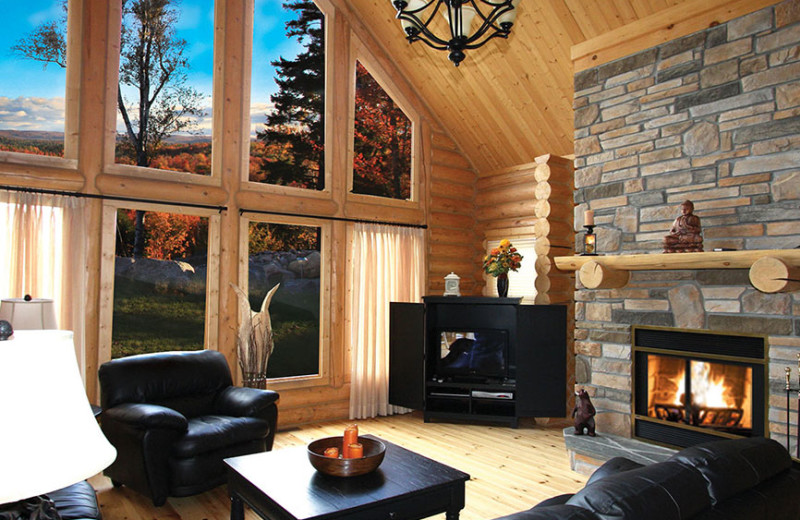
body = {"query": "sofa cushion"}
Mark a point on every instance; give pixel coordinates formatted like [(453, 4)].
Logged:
[(556, 500), (663, 491), (555, 512), (732, 466), (76, 502), (612, 467), (212, 432)]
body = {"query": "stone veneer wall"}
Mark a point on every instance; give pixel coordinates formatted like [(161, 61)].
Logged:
[(713, 117)]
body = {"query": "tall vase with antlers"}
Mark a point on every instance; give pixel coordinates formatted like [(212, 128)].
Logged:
[(254, 342)]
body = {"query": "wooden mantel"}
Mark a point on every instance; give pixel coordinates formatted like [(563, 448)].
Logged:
[(771, 270)]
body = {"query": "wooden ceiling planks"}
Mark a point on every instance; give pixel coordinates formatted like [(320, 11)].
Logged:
[(510, 100)]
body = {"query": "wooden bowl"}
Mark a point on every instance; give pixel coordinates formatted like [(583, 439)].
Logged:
[(374, 451)]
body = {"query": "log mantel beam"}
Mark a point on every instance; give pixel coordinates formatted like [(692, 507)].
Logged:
[(762, 281)]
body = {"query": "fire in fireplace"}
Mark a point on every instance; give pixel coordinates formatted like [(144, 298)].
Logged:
[(719, 395), (690, 386)]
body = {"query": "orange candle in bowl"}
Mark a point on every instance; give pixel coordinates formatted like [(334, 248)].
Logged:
[(350, 437), (332, 452), (356, 450)]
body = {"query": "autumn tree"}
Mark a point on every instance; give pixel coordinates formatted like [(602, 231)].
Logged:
[(264, 236), (169, 236), (298, 119), (381, 141), (47, 43), (152, 65)]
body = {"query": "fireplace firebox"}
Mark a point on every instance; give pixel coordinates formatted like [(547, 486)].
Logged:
[(692, 386)]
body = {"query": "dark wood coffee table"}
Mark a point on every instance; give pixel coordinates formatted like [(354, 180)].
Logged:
[(282, 485)]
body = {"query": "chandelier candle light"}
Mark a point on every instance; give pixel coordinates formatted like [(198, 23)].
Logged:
[(496, 18)]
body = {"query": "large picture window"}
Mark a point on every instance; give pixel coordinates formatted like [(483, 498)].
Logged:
[(165, 84), (160, 274), (381, 141), (288, 95), (289, 255), (33, 61)]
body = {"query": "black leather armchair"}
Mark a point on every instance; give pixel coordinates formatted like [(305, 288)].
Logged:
[(174, 417)]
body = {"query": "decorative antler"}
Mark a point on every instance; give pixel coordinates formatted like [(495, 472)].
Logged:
[(255, 341)]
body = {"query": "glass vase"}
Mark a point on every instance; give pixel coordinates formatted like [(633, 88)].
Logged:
[(502, 285)]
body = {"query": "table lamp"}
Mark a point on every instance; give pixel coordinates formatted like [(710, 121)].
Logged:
[(50, 438), (29, 313)]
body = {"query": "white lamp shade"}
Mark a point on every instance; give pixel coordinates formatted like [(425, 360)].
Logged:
[(50, 438), (36, 314), (509, 16), (467, 15), (413, 5)]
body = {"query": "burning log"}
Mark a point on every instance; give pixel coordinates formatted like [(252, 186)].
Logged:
[(710, 416)]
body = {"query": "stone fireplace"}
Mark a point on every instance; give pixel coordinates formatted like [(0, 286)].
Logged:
[(713, 117)]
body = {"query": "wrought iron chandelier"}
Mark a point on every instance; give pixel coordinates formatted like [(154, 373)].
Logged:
[(496, 18)]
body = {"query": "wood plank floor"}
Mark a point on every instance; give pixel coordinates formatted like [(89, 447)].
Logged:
[(511, 469)]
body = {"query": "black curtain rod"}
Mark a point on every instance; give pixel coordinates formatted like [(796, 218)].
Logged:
[(110, 197), (202, 206), (340, 219)]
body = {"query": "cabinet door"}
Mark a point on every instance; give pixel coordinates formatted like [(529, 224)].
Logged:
[(541, 361), (407, 354)]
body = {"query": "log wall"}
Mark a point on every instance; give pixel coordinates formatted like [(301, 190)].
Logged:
[(535, 200), (453, 232)]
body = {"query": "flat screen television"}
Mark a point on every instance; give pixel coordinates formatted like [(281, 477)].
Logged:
[(473, 354)]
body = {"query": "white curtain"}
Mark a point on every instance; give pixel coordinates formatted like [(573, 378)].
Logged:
[(44, 255), (386, 266)]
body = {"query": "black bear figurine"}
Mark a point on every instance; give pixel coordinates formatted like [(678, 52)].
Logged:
[(583, 413)]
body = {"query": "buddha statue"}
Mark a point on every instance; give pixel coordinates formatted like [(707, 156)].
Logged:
[(684, 235)]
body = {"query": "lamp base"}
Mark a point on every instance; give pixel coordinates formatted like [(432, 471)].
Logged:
[(36, 508)]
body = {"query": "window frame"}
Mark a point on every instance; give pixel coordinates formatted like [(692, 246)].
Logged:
[(329, 12), (324, 377), (16, 162), (110, 167), (359, 53), (108, 247)]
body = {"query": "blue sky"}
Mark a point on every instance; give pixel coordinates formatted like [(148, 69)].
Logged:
[(32, 98)]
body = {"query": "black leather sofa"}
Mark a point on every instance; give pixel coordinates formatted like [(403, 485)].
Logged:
[(734, 479), (174, 416), (76, 502)]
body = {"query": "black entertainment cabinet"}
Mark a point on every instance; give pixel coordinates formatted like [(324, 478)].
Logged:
[(531, 381)]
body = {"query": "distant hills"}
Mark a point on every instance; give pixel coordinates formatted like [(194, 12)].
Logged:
[(32, 135), (41, 135)]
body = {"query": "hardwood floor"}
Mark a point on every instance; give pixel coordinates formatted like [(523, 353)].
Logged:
[(511, 470)]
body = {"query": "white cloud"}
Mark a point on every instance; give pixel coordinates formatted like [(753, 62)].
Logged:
[(204, 122), (32, 113), (258, 116), (54, 12)]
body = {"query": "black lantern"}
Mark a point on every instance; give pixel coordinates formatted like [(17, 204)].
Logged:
[(589, 242)]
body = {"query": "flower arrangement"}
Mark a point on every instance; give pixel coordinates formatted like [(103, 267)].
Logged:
[(502, 259)]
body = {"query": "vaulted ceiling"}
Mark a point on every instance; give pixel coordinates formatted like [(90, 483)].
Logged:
[(510, 100)]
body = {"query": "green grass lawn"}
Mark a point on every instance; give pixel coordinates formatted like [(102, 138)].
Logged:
[(149, 321)]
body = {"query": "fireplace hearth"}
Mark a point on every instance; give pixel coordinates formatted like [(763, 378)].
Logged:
[(692, 386)]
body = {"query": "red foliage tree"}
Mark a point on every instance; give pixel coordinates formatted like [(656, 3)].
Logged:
[(382, 142), (168, 236)]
